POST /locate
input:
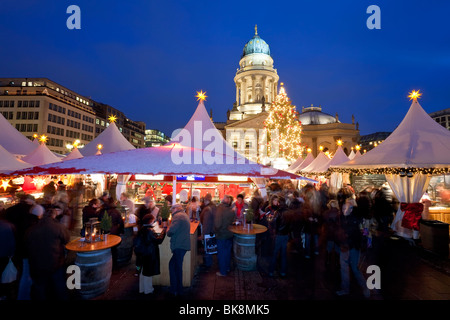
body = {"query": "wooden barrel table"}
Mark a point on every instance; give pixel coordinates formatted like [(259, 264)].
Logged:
[(244, 245), (95, 262), (125, 249)]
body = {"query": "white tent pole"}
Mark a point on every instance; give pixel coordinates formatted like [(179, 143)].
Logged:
[(174, 192)]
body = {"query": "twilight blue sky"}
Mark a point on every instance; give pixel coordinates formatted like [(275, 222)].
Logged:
[(148, 58)]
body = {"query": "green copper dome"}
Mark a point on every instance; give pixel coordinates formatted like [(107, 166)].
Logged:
[(256, 45)]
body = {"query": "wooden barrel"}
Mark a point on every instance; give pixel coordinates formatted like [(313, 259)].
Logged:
[(125, 248), (95, 268), (244, 251)]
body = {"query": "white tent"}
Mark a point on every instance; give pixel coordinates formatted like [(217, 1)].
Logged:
[(9, 163), (356, 155), (351, 155), (13, 140), (417, 148), (41, 156), (301, 163), (111, 139), (320, 161), (309, 158), (337, 179), (74, 154), (295, 164), (418, 142), (338, 158), (181, 156), (200, 133)]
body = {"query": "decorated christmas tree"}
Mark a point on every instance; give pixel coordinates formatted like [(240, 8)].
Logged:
[(283, 129)]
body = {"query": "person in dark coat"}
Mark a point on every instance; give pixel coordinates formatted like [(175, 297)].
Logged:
[(331, 219), (350, 247), (180, 243), (147, 253), (21, 217), (281, 226), (207, 220), (224, 218), (118, 226), (45, 244), (92, 210), (7, 249), (256, 204), (49, 189)]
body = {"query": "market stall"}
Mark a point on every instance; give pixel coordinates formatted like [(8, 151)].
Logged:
[(418, 149)]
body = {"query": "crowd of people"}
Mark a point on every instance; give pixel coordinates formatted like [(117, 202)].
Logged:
[(35, 244), (343, 226), (34, 233)]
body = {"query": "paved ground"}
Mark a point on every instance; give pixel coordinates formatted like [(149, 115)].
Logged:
[(408, 272)]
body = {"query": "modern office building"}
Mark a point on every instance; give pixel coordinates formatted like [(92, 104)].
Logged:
[(442, 117), (372, 140), (39, 106), (155, 138)]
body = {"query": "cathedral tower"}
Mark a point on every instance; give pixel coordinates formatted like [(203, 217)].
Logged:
[(256, 80)]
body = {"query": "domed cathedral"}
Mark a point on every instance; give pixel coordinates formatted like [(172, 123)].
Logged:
[(256, 83), (256, 79), (322, 131)]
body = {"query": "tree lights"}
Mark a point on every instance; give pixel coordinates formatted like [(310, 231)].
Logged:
[(283, 128)]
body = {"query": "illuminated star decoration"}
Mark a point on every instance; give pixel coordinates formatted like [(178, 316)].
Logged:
[(5, 185), (99, 146), (201, 95), (414, 95), (43, 139), (112, 118)]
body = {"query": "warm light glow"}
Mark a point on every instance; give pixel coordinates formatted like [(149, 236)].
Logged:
[(38, 182), (414, 95), (309, 150), (282, 91), (35, 135), (99, 146), (231, 178), (5, 184), (358, 147), (201, 95), (112, 118), (76, 143), (43, 139), (158, 177), (282, 125), (321, 148), (339, 142)]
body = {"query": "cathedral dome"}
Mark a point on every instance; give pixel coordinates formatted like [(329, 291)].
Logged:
[(256, 45), (314, 115)]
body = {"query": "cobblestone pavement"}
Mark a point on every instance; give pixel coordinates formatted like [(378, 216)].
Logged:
[(407, 273)]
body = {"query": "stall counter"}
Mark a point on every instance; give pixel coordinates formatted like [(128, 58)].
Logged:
[(189, 262)]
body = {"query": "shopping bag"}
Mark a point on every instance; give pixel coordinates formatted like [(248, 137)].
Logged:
[(10, 273), (210, 244)]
